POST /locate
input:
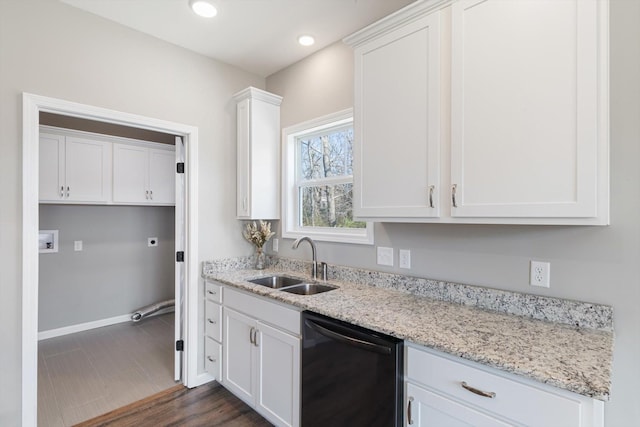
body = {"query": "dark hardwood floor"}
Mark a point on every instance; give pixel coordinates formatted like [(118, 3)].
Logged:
[(207, 405)]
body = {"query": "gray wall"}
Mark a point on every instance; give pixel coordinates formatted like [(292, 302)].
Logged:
[(597, 264), (115, 273), (51, 49)]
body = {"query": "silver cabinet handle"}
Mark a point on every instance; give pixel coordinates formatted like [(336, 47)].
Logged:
[(68, 191), (211, 359), (151, 194), (431, 188), (251, 336), (213, 322), (474, 390), (62, 191), (255, 337), (409, 419), (146, 194), (211, 292), (454, 187)]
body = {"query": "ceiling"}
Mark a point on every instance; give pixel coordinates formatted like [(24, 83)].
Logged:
[(258, 36)]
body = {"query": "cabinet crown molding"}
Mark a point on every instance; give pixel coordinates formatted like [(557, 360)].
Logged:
[(406, 15), (255, 93)]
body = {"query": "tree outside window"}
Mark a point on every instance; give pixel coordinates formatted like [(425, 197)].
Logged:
[(326, 179), (318, 191)]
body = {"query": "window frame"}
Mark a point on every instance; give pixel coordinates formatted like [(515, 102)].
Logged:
[(291, 201)]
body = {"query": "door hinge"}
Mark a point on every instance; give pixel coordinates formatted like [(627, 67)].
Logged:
[(180, 167), (180, 345), (180, 256)]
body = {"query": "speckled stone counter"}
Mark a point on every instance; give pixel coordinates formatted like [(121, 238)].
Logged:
[(574, 358)]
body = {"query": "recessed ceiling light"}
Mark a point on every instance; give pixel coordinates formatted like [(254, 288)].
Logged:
[(203, 8), (306, 40)]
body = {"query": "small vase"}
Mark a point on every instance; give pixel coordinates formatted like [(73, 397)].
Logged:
[(260, 259)]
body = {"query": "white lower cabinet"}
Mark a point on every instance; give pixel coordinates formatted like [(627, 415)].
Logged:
[(262, 356), (429, 409), (213, 330), (443, 390)]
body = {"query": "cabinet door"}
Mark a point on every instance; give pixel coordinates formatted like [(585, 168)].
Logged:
[(278, 396), (525, 108), (51, 167), (429, 409), (162, 176), (239, 374), (397, 122), (243, 110), (87, 170), (130, 174)]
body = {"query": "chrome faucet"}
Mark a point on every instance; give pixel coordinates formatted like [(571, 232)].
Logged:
[(314, 265)]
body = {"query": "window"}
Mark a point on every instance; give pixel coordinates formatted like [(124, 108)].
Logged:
[(318, 181)]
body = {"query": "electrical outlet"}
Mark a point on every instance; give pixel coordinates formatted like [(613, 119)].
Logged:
[(152, 241), (77, 245), (385, 256), (404, 258), (275, 245), (540, 274)]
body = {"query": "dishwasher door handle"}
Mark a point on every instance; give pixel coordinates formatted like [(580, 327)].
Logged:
[(365, 345)]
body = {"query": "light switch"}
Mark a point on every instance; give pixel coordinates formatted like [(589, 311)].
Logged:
[(77, 245), (385, 256)]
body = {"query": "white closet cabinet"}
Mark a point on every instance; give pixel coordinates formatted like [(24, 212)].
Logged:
[(443, 390), (483, 111), (74, 169), (397, 121), (262, 356), (258, 154), (143, 175), (526, 112)]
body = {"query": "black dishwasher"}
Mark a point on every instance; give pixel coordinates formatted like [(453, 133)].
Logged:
[(351, 376)]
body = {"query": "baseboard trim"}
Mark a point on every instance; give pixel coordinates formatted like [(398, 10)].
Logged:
[(80, 327), (203, 379)]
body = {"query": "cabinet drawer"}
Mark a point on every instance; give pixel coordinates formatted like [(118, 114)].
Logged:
[(269, 312), (213, 358), (213, 292), (514, 400), (213, 320)]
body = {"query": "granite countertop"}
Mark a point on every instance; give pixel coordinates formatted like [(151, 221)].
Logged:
[(573, 358)]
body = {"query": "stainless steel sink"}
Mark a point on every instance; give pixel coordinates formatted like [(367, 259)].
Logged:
[(276, 282), (308, 289)]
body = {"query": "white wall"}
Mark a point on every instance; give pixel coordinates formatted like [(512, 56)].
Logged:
[(52, 49), (115, 273), (597, 264)]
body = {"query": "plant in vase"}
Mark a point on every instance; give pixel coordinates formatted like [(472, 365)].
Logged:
[(258, 236)]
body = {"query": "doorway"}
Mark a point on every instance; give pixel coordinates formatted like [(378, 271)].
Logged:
[(186, 235)]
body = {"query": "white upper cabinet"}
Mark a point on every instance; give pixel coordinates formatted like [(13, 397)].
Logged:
[(143, 175), (84, 168), (258, 154), (74, 170), (483, 111), (397, 121), (51, 176), (526, 109)]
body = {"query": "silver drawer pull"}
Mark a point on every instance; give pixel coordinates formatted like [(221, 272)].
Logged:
[(213, 322), (409, 419), (474, 390), (454, 188), (431, 188), (211, 359)]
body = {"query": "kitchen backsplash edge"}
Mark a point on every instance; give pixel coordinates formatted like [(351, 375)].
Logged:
[(557, 310)]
